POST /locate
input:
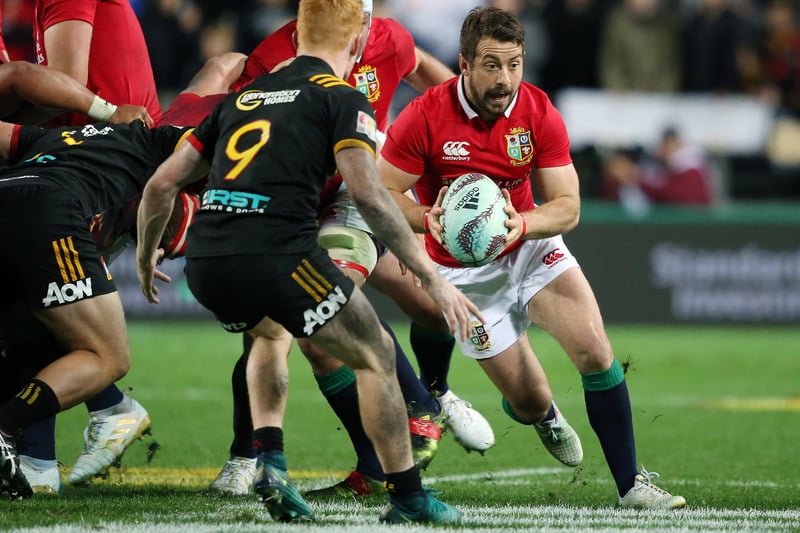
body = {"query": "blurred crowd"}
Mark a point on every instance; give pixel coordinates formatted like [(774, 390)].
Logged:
[(721, 47)]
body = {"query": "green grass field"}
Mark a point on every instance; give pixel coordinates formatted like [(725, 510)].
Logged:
[(716, 412)]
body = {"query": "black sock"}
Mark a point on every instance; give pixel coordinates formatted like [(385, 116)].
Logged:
[(268, 439), (418, 398), (404, 484), (36, 401), (433, 351), (242, 445), (108, 397), (609, 408), (39, 439), (339, 388)]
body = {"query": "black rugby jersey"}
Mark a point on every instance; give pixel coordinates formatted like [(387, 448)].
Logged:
[(104, 165), (271, 147)]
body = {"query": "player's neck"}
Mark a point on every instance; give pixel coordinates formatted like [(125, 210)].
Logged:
[(340, 62)]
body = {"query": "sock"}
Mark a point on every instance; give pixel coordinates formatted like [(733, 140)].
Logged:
[(105, 399), (549, 417), (242, 444), (609, 408), (511, 414), (36, 401), (39, 440), (433, 351), (339, 388), (267, 440), (419, 400), (406, 487)]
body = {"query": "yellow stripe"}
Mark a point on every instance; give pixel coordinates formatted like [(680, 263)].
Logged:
[(25, 392), (306, 287), (183, 138), (65, 251), (34, 395), (352, 143), (60, 262), (322, 78), (328, 286), (334, 83), (75, 254), (311, 281)]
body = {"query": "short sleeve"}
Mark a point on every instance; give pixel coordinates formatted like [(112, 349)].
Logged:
[(54, 11), (553, 149), (354, 124)]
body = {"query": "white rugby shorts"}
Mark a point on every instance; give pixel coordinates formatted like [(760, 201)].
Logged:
[(502, 290)]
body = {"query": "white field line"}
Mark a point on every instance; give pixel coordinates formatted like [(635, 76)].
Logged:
[(353, 517)]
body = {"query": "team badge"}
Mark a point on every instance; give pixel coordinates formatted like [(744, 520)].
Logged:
[(479, 337), (367, 82), (519, 146)]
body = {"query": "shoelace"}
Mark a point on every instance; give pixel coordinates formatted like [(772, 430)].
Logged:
[(93, 433), (7, 454), (461, 407), (647, 479)]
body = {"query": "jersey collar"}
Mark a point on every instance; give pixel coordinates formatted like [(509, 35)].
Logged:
[(462, 99)]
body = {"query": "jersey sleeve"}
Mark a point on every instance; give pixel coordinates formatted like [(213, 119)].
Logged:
[(54, 11), (405, 49), (354, 121), (204, 137), (167, 139), (407, 140), (553, 149), (22, 140)]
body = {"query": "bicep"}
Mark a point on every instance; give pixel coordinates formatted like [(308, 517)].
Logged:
[(555, 182), (67, 46)]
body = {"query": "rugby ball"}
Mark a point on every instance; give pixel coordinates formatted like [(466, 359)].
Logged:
[(474, 232)]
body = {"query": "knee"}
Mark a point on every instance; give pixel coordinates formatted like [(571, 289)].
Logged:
[(594, 354)]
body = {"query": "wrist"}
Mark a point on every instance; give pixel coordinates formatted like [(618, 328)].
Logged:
[(524, 227), (100, 109), (426, 223)]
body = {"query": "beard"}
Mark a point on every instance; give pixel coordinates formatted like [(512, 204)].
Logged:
[(492, 102)]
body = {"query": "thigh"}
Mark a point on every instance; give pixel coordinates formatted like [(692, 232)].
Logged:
[(355, 337), (567, 309)]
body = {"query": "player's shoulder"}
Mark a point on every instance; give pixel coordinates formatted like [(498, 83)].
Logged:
[(385, 26), (439, 100)]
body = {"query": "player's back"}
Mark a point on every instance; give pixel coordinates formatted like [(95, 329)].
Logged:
[(272, 147)]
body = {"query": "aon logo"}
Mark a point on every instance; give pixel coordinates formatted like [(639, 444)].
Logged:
[(68, 292), (316, 318)]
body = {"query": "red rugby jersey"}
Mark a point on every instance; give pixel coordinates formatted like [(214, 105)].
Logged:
[(388, 58), (439, 137), (119, 64)]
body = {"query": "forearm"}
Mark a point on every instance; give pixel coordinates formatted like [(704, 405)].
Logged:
[(154, 212), (428, 73), (555, 217)]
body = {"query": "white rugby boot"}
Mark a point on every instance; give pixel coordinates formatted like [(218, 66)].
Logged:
[(107, 437), (42, 474), (469, 428), (235, 478), (645, 495), (560, 439)]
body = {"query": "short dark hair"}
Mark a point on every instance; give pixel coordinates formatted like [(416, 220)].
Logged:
[(490, 22)]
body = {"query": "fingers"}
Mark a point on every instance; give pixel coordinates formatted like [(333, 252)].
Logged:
[(161, 276)]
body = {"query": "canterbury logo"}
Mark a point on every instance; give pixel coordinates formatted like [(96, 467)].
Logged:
[(30, 393), (553, 257), (455, 149), (328, 80)]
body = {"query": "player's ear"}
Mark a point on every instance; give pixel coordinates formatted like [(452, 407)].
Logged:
[(463, 65), (355, 46)]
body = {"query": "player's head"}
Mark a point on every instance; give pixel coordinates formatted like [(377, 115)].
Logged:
[(490, 59), (366, 24), (330, 26)]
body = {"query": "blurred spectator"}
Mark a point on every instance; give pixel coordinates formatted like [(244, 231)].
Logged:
[(677, 173), (573, 30), (711, 38), (171, 29), (783, 53), (640, 48)]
